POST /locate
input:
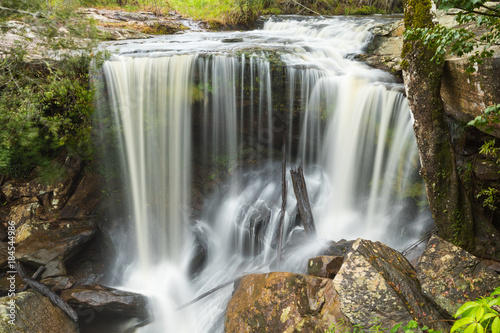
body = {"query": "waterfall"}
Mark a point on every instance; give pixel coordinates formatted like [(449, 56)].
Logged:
[(200, 119)]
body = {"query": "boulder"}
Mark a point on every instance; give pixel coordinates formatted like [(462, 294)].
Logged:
[(61, 242), (325, 266), (283, 302), (33, 313), (20, 211), (85, 198), (59, 283), (107, 300), (451, 276), (378, 286)]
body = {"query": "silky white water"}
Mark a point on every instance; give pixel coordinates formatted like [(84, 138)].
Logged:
[(200, 121)]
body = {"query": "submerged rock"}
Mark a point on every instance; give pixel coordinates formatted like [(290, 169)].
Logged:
[(451, 276), (33, 313), (283, 302), (378, 286), (107, 300)]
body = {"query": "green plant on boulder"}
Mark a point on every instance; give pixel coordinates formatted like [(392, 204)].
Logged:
[(481, 315)]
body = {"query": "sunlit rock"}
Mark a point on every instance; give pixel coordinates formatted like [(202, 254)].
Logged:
[(378, 286), (283, 302), (451, 276), (33, 313)]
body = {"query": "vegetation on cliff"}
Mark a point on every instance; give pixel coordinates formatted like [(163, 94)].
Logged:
[(46, 101)]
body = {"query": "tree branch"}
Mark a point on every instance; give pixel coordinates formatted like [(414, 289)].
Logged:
[(46, 291)]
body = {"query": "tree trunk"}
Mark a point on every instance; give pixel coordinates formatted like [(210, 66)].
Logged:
[(305, 211), (449, 201)]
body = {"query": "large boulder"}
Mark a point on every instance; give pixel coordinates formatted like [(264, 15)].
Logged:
[(33, 312), (61, 242), (451, 276), (107, 300), (378, 286), (283, 302)]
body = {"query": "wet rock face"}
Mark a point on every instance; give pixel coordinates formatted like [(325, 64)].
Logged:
[(107, 300), (283, 302), (451, 276), (377, 283), (34, 313)]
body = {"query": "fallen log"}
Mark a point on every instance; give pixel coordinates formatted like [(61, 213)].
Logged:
[(300, 189), (35, 276), (46, 291)]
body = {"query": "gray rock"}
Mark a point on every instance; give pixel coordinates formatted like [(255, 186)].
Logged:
[(451, 276), (377, 283), (34, 313)]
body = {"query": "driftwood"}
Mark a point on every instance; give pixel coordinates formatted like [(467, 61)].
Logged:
[(300, 189), (206, 294), (283, 206), (35, 276), (46, 291)]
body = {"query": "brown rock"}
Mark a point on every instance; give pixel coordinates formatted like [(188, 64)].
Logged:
[(20, 211), (466, 95), (283, 302), (59, 283), (86, 197), (319, 266), (35, 313), (107, 300), (451, 276), (62, 242)]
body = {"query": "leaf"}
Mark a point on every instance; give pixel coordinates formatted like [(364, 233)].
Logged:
[(495, 326), (462, 322), (465, 307), (471, 328), (479, 313), (488, 316)]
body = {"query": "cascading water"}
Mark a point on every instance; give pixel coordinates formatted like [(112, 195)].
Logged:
[(201, 118)]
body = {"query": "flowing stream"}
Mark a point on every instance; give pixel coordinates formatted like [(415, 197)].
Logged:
[(201, 118)]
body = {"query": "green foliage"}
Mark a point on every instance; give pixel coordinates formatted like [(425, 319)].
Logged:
[(479, 316), (491, 115), (46, 102), (477, 14)]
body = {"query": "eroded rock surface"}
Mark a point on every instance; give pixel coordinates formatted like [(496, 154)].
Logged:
[(377, 283), (283, 302), (451, 276)]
